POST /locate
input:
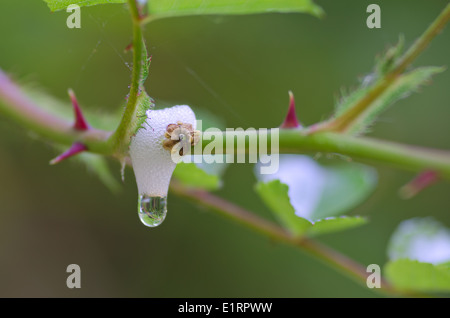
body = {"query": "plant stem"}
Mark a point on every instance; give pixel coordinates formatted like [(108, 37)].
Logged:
[(19, 107), (121, 137), (421, 43), (344, 121), (331, 257), (22, 109), (393, 154), (397, 155)]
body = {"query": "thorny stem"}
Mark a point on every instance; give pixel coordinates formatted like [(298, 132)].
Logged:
[(344, 121), (16, 105), (19, 107), (324, 253), (26, 112), (412, 158)]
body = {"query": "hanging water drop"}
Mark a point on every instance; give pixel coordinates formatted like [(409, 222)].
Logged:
[(152, 210), (154, 159)]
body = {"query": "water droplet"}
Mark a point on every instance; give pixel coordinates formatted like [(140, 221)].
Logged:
[(152, 210)]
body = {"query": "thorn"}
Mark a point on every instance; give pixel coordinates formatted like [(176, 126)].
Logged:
[(291, 120), (80, 122), (76, 148), (128, 48), (419, 183)]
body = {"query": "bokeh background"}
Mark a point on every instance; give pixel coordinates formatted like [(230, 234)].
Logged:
[(239, 68)]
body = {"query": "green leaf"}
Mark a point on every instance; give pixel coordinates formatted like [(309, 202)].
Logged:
[(388, 60), (412, 275), (356, 111), (419, 251), (336, 224), (403, 86), (275, 196), (56, 5), (346, 185), (192, 176), (173, 8), (422, 239), (320, 191)]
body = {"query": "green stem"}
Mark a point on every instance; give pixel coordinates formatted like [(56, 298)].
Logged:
[(121, 137), (343, 122), (393, 154), (295, 141), (329, 256), (422, 43), (19, 107)]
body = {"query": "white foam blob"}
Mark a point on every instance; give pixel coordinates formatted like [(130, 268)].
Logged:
[(153, 165)]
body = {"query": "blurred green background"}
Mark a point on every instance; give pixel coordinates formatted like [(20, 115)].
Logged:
[(239, 68)]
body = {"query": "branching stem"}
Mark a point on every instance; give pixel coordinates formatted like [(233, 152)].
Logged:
[(19, 107), (329, 256), (343, 122), (16, 105)]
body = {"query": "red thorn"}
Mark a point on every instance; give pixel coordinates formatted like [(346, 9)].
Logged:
[(76, 148), (80, 122), (128, 47), (291, 120), (420, 182)]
